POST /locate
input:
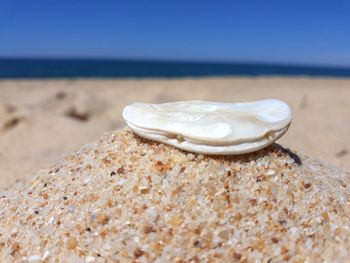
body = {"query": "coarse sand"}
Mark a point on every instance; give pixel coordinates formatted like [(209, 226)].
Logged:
[(126, 199)]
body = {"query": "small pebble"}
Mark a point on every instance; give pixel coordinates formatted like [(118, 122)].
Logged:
[(72, 243), (107, 247), (46, 254), (270, 172), (51, 220), (89, 259), (152, 214), (71, 209), (34, 258)]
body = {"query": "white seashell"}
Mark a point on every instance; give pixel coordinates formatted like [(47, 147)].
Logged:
[(211, 127)]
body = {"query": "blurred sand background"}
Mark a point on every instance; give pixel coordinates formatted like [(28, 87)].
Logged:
[(43, 120)]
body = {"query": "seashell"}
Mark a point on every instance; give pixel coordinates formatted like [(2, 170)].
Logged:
[(211, 127)]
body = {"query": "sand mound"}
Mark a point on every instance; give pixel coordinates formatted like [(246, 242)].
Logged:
[(125, 198)]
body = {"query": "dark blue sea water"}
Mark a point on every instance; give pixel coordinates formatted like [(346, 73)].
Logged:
[(92, 68)]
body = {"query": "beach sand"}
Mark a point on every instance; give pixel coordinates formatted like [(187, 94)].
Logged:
[(42, 121), (122, 198)]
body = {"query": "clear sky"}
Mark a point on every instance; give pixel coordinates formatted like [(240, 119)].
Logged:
[(284, 31)]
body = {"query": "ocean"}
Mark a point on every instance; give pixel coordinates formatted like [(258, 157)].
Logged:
[(98, 68)]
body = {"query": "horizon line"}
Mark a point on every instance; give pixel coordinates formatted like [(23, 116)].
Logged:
[(172, 60)]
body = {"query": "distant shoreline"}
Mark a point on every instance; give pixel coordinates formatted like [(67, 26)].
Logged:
[(27, 68)]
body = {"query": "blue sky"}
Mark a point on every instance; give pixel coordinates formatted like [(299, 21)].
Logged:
[(299, 31)]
